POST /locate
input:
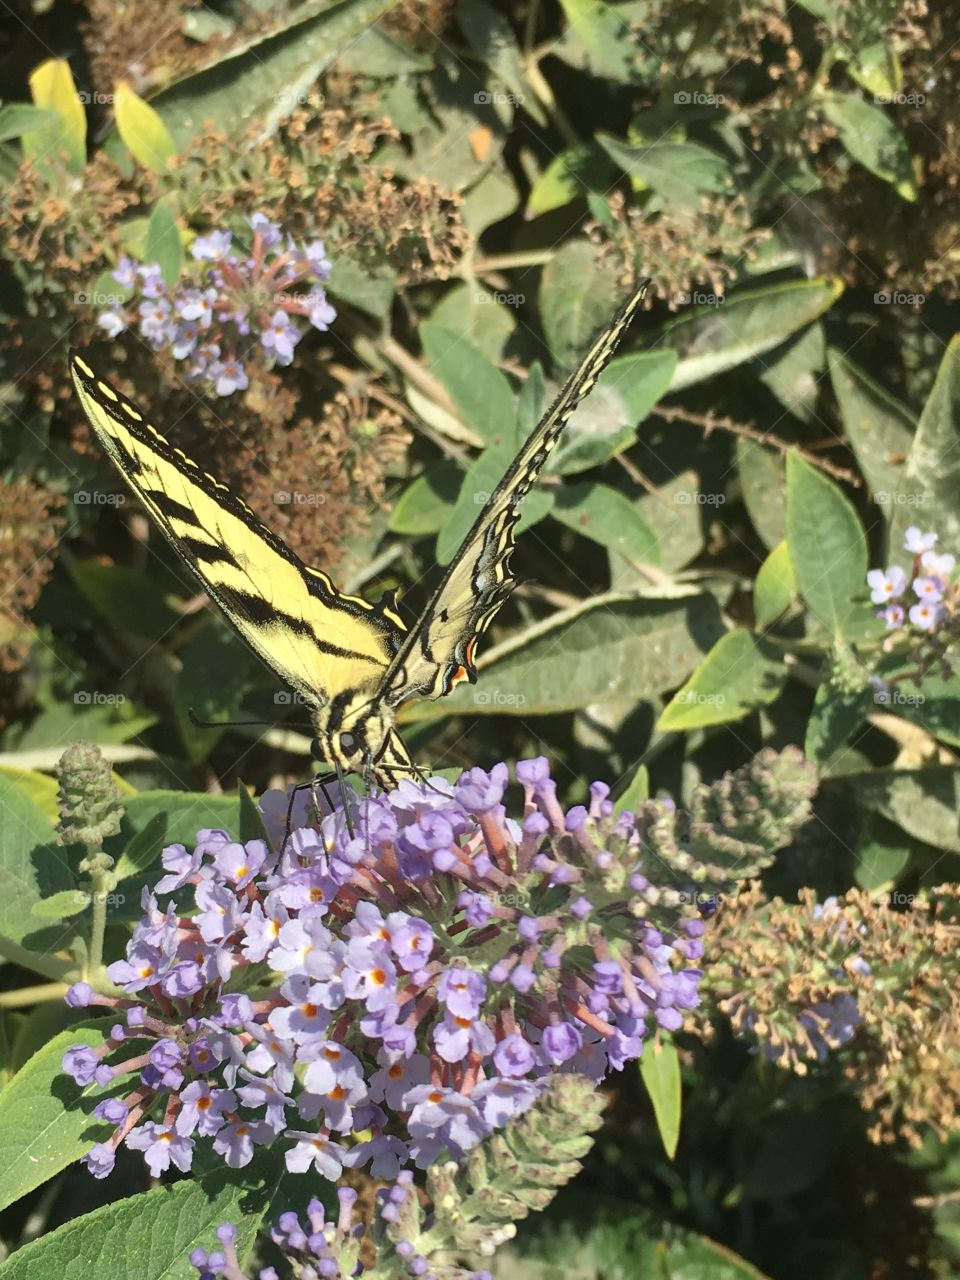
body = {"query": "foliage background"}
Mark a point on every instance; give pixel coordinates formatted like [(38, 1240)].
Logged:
[(489, 180)]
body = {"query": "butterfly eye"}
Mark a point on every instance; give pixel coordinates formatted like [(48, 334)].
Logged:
[(348, 743)]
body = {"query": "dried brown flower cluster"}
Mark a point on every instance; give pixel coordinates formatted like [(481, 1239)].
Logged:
[(683, 248), (791, 974), (29, 534), (420, 22)]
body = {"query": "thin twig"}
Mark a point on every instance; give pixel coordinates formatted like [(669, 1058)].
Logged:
[(712, 422)]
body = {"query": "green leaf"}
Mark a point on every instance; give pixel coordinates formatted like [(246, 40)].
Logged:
[(371, 288), (924, 802), (636, 791), (491, 37), (599, 650), (713, 340), (151, 1236), (52, 89), (127, 598), (164, 245), (34, 867), (882, 854), (38, 787), (18, 118), (267, 77), (491, 199), (570, 176), (676, 523), (577, 298), (531, 401), (425, 504), (879, 428), (932, 475), (873, 139), (62, 905), (876, 68), (605, 35), (741, 673), (216, 668), (606, 421), (606, 516), (775, 588), (794, 376), (835, 716), (679, 172), (477, 387), (182, 814), (381, 55), (827, 545), (763, 481), (485, 318), (660, 1072), (43, 1127), (251, 820), (143, 132)]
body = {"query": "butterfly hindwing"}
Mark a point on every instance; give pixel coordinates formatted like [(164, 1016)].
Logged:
[(319, 640), (439, 651)]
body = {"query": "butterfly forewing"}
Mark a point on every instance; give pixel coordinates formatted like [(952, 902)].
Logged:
[(439, 651), (320, 641)]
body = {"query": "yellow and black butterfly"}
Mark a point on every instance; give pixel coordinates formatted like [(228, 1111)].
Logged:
[(354, 663)]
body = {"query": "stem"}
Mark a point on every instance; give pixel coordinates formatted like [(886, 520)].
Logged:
[(539, 85), (42, 992)]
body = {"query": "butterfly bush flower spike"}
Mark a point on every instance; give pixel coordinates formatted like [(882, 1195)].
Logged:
[(236, 306), (934, 593), (387, 992)]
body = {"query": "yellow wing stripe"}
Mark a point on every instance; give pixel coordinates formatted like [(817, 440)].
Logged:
[(316, 638)]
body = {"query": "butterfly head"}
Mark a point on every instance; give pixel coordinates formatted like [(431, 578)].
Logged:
[(352, 732)]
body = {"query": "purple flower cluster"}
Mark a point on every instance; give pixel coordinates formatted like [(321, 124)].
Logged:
[(930, 583), (234, 307), (414, 969)]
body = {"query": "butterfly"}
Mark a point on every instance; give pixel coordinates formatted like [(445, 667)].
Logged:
[(353, 662)]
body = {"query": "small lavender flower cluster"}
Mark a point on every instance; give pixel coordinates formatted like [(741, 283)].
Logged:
[(416, 968), (931, 584), (330, 1247), (235, 307)]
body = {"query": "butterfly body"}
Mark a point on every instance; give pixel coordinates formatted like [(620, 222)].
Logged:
[(353, 663)]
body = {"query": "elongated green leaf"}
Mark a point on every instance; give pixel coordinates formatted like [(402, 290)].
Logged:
[(216, 668), (933, 466), (679, 172), (880, 429), (794, 376), (267, 77), (485, 317), (835, 716), (606, 422), (52, 89), (660, 1072), (775, 588), (43, 1126), (34, 867), (677, 525), (40, 788), (477, 387), (479, 483), (764, 484), (603, 32), (164, 245), (18, 118), (636, 791), (601, 650), (715, 339), (741, 673), (127, 597), (827, 545), (882, 854), (151, 1236), (577, 298), (144, 134), (924, 802), (182, 814), (873, 139), (606, 516), (491, 37), (570, 176), (369, 288), (426, 503)]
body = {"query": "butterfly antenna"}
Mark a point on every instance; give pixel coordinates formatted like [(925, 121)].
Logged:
[(225, 724)]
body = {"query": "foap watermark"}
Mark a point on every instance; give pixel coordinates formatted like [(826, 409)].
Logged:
[(483, 296), (291, 99), (695, 498), (707, 903), (896, 498), (898, 298), (90, 298), (296, 498), (694, 98), (96, 98), (498, 698), (900, 99), (482, 496), (96, 498), (698, 298), (289, 698), (692, 697), (96, 698), (488, 98), (893, 696)]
